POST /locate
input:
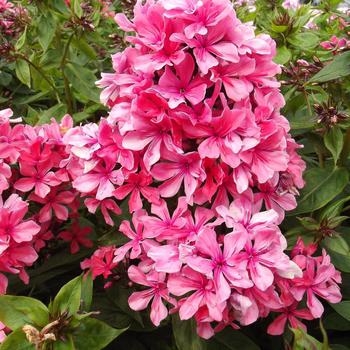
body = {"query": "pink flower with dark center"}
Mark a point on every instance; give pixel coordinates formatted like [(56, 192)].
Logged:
[(182, 86), (53, 203), (137, 184), (102, 178), (136, 237), (220, 265), (12, 225), (292, 315), (157, 292), (184, 168), (38, 177), (202, 294)]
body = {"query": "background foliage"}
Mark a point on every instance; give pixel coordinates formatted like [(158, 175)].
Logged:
[(49, 68)]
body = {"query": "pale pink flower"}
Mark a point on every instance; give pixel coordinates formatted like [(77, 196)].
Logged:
[(157, 291)]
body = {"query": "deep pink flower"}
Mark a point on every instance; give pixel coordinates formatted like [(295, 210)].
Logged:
[(220, 265), (12, 225), (53, 202), (182, 86), (102, 178), (38, 177), (107, 205), (136, 238), (184, 168), (137, 184), (290, 314), (76, 235)]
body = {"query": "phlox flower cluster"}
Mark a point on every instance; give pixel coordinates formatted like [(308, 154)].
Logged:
[(36, 195), (196, 144)]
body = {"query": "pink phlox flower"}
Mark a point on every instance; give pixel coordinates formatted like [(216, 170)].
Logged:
[(320, 279), (157, 292), (54, 202), (219, 264), (38, 177), (202, 294), (5, 176), (12, 225), (181, 168), (77, 236), (166, 258), (6, 115), (11, 141), (136, 237), (106, 205), (83, 140), (291, 314), (233, 77), (182, 86), (151, 137), (137, 184), (214, 174), (164, 225), (267, 157), (111, 145), (103, 178), (209, 48), (101, 262)]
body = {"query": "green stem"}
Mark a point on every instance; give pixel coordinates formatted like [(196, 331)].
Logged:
[(42, 73), (67, 88), (346, 149)]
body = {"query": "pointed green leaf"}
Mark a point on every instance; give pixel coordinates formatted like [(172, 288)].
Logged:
[(338, 68), (186, 337), (86, 292), (23, 72), (46, 30), (343, 309), (68, 298), (334, 141), (94, 334), (17, 311), (322, 185)]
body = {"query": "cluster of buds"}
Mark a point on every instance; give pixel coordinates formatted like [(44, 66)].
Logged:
[(13, 19), (328, 115), (301, 71), (336, 45)]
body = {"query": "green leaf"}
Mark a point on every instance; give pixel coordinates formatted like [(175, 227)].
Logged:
[(343, 309), (336, 322), (68, 298), (304, 40), (16, 341), (76, 7), (53, 112), (340, 261), (17, 311), (230, 339), (283, 55), (21, 40), (333, 209), (338, 68), (185, 334), (94, 334), (67, 344), (322, 185), (83, 81), (23, 72), (337, 244), (304, 341), (334, 141), (46, 30), (5, 78), (86, 292)]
